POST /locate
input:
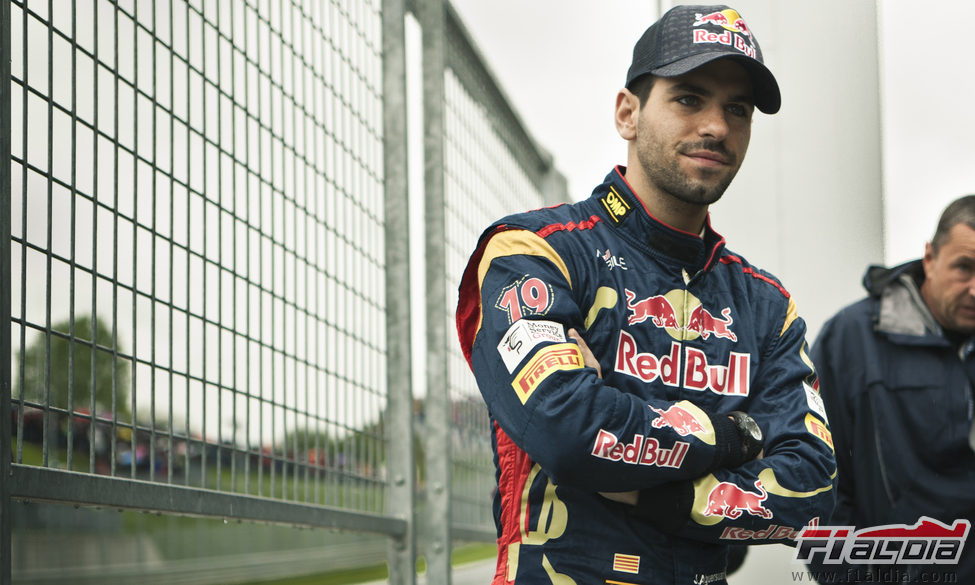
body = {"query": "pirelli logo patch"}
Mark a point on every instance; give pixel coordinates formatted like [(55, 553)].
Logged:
[(616, 205), (817, 428), (552, 358)]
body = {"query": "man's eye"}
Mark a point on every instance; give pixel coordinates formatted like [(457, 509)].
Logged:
[(738, 110), (689, 100)]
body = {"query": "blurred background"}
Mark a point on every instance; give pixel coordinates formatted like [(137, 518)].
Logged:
[(233, 232)]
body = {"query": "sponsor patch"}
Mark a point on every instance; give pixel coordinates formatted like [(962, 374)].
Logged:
[(732, 379), (815, 401), (770, 532), (730, 501), (707, 579), (611, 260), (549, 359), (626, 563), (523, 336), (616, 205), (735, 32), (927, 542), (526, 296), (686, 419), (690, 322), (817, 428), (641, 451)]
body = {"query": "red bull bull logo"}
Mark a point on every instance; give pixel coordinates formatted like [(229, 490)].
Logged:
[(683, 422), (656, 308), (730, 501), (660, 311), (704, 323), (728, 19)]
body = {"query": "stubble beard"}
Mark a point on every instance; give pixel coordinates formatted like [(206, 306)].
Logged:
[(667, 176)]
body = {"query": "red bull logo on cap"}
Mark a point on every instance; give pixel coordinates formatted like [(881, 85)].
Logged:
[(737, 34), (728, 19), (730, 501), (692, 322)]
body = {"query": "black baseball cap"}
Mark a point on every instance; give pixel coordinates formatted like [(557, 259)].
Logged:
[(687, 37)]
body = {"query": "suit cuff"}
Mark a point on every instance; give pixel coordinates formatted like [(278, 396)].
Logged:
[(666, 507), (727, 443)]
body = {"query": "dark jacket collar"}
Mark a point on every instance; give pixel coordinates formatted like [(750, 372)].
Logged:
[(900, 311), (623, 210)]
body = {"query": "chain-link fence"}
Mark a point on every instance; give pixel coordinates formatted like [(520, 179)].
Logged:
[(203, 268)]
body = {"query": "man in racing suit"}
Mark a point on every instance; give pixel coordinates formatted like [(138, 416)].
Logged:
[(633, 367)]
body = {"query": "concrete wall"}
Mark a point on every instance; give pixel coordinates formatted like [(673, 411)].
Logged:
[(807, 204)]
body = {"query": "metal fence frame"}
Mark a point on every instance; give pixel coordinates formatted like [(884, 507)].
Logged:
[(442, 28)]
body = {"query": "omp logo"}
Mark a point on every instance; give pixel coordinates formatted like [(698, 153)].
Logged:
[(927, 542), (561, 356), (616, 205)]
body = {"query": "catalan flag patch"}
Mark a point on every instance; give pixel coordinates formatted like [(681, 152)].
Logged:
[(626, 563)]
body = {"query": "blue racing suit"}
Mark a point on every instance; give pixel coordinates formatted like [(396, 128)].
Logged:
[(685, 332)]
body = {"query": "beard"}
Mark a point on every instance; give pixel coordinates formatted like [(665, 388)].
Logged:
[(665, 173)]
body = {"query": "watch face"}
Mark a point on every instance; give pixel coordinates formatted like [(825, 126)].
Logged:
[(753, 429)]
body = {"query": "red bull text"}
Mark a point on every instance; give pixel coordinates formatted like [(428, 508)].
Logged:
[(736, 33), (692, 368), (771, 532), (640, 451)]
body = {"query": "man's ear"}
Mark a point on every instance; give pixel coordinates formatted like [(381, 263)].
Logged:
[(627, 112), (928, 258)]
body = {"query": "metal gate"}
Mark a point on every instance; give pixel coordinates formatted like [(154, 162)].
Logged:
[(205, 254)]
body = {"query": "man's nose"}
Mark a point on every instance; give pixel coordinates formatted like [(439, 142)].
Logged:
[(714, 123)]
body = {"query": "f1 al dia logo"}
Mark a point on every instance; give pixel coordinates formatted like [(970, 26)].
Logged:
[(928, 542)]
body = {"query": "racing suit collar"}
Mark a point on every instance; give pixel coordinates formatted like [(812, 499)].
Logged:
[(625, 211)]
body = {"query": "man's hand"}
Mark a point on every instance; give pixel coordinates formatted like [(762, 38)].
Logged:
[(587, 356), (631, 497)]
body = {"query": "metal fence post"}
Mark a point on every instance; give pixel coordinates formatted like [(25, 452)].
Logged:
[(399, 411), (436, 409), (5, 298)]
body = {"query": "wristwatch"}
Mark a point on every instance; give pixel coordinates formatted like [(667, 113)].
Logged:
[(750, 433)]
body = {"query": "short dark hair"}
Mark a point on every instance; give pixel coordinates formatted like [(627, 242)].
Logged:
[(641, 86), (960, 210)]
